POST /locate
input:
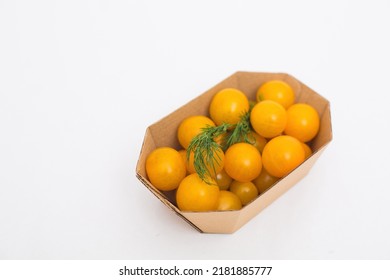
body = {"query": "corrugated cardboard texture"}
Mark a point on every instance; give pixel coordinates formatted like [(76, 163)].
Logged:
[(163, 133)]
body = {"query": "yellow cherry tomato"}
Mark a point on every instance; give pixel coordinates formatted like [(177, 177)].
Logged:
[(308, 151), (245, 191), (190, 127), (264, 181), (282, 154), (278, 91), (257, 141), (303, 122), (214, 167), (228, 105), (165, 168), (243, 162), (193, 194), (228, 201), (268, 118), (183, 154), (223, 180)]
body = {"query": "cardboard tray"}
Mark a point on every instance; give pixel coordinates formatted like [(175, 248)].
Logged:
[(164, 133)]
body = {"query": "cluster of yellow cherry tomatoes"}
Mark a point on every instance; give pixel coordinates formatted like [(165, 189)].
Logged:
[(275, 144)]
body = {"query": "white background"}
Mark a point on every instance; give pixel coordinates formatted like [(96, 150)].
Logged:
[(81, 80)]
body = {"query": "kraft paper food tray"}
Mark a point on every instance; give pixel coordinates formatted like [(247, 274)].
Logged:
[(164, 133)]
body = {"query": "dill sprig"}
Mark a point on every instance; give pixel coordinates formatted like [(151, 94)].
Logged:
[(206, 151), (240, 132)]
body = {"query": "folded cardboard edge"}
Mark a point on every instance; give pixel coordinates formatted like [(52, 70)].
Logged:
[(165, 201)]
